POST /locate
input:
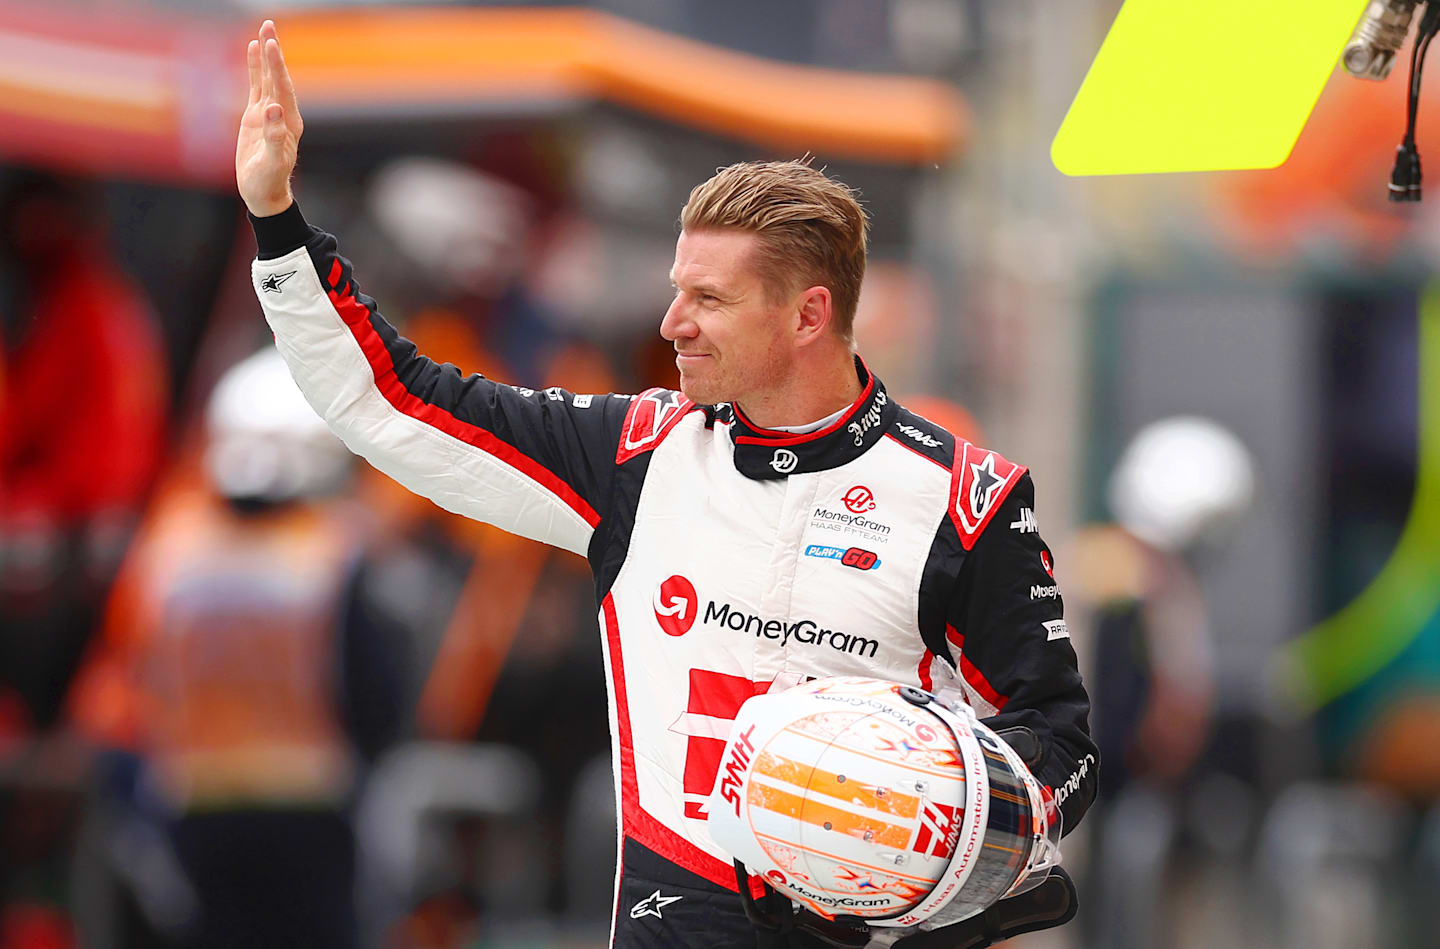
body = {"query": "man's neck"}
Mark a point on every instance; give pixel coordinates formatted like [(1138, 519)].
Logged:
[(806, 395)]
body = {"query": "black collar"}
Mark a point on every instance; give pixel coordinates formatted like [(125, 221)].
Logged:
[(765, 454)]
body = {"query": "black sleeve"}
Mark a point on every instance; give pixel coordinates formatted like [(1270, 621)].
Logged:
[(1016, 656)]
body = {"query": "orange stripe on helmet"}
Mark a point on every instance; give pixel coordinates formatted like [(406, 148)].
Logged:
[(830, 817), (837, 786)]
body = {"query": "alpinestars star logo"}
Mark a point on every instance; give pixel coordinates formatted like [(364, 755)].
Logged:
[(986, 483), (272, 282), (651, 905), (979, 482)]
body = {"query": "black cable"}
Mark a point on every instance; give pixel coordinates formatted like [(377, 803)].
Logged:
[(1423, 36), (1412, 99), (1405, 176)]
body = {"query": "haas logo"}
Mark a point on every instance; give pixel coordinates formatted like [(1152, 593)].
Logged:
[(939, 830), (859, 499), (676, 605), (784, 460)]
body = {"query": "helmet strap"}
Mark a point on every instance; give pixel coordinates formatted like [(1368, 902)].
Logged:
[(776, 918)]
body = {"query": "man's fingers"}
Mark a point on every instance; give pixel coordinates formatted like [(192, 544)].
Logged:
[(267, 72), (252, 63), (284, 87), (267, 81)]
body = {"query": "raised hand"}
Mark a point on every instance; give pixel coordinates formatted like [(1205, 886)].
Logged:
[(270, 129)]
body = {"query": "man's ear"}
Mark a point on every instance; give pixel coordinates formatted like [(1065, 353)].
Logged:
[(812, 315)]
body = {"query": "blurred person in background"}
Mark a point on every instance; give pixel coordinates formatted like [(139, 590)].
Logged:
[(242, 667), (465, 238), (1179, 489), (82, 422), (586, 472), (83, 392)]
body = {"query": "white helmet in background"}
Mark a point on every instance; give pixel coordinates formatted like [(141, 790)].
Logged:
[(462, 227), (265, 442), (1182, 481), (865, 798)]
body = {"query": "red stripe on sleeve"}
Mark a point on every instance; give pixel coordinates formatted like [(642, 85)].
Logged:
[(927, 681), (980, 684), (972, 675), (357, 317)]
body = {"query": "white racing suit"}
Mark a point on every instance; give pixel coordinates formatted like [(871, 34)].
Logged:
[(727, 558)]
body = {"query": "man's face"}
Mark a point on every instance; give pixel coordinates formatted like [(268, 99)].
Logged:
[(731, 341)]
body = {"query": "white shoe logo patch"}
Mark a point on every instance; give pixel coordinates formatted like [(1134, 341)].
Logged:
[(651, 905)]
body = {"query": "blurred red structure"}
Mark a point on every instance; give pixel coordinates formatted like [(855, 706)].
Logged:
[(83, 401)]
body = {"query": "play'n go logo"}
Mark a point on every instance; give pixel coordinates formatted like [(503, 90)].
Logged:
[(676, 605)]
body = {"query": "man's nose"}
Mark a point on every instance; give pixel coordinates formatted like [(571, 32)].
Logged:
[(676, 324)]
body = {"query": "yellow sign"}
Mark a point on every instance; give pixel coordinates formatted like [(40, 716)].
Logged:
[(1185, 86)]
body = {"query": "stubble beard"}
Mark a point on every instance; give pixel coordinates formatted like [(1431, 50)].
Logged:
[(732, 383), (703, 391)]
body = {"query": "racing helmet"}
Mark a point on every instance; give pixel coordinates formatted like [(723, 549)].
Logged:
[(864, 798), (265, 444), (1182, 482)]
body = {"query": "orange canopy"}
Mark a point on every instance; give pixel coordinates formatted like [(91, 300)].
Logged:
[(159, 96)]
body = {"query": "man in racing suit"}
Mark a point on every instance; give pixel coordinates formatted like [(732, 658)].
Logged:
[(734, 547)]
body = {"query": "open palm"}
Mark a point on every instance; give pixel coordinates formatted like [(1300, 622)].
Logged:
[(269, 139)]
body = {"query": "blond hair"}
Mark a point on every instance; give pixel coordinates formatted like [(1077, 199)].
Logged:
[(811, 228)]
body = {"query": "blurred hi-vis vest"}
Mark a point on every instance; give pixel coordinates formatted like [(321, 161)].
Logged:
[(227, 630)]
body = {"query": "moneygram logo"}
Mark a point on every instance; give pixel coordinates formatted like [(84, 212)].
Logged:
[(859, 499), (826, 900), (676, 605), (828, 520), (804, 632)]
